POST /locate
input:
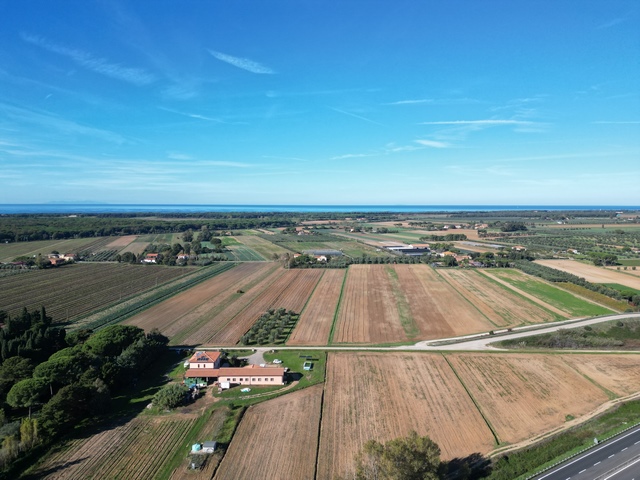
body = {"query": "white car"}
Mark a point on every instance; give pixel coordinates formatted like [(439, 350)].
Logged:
[(276, 361)]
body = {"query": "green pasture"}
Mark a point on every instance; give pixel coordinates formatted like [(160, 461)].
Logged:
[(550, 294)]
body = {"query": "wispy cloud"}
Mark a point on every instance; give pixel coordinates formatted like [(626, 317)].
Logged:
[(411, 102), (356, 116), (135, 76), (487, 122), (611, 23), (243, 63), (57, 123), (197, 116), (609, 122), (433, 143), (354, 155), (435, 101)]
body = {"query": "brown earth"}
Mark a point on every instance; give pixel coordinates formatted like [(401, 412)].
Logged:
[(291, 291), (121, 242), (524, 395), (438, 309), (593, 274), (500, 306), (276, 439), (385, 396), (181, 311), (617, 373), (136, 450), (368, 311), (316, 320)]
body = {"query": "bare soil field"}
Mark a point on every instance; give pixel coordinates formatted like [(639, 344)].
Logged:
[(368, 311), (120, 242), (438, 309), (593, 274), (315, 322), (523, 395), (499, 305), (618, 373), (290, 290), (185, 309), (628, 271), (137, 450), (71, 291), (262, 246), (385, 396), (276, 439)]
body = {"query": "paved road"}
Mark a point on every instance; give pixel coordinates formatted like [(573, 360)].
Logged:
[(480, 341), (616, 459)]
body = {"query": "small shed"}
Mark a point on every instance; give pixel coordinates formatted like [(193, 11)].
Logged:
[(209, 447), (307, 365)]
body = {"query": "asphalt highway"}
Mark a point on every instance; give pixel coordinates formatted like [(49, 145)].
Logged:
[(615, 459)]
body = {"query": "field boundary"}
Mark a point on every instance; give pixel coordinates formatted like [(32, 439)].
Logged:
[(337, 311), (486, 420), (520, 293), (609, 393), (465, 298), (407, 321), (161, 295)]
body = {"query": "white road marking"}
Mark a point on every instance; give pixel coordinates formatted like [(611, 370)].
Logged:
[(611, 456)]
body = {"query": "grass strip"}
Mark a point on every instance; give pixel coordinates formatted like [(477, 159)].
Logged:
[(335, 315), (404, 310)]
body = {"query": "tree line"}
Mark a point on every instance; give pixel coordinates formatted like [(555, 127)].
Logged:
[(51, 381)]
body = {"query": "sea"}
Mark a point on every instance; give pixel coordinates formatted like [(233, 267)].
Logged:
[(95, 208)]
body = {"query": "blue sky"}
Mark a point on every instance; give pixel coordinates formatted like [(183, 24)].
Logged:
[(320, 102)]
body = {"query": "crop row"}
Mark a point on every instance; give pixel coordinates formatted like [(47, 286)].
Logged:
[(82, 288), (129, 309)]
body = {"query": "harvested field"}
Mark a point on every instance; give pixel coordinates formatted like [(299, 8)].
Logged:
[(593, 274), (385, 396), (120, 242), (137, 450), (75, 290), (438, 309), (315, 322), (618, 373), (368, 311), (523, 395), (186, 310), (262, 246), (501, 306), (290, 290), (276, 439)]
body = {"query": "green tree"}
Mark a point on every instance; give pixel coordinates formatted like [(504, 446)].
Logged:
[(406, 458), (27, 393), (170, 396), (29, 432)]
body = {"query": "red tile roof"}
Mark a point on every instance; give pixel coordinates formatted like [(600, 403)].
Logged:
[(204, 357)]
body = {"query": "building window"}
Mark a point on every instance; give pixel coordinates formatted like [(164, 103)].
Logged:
[(234, 379)]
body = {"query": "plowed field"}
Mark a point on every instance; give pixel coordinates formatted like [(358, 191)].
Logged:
[(276, 439), (123, 241), (437, 308), (315, 322), (526, 395), (137, 450), (291, 291), (593, 274), (384, 396), (501, 306), (187, 310), (368, 311)]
